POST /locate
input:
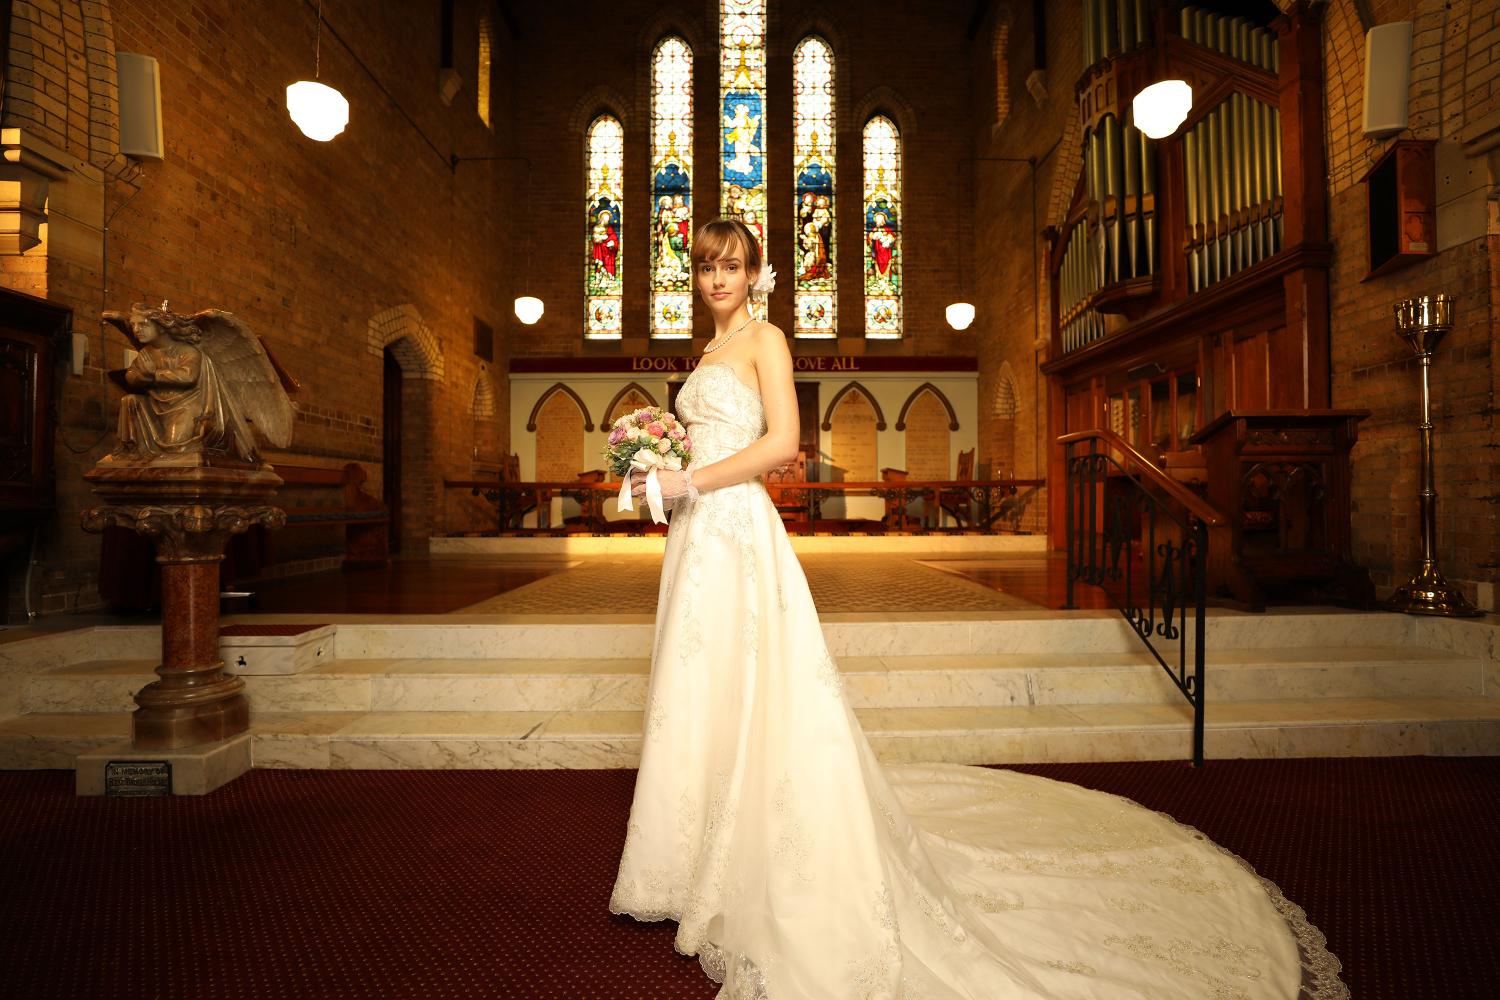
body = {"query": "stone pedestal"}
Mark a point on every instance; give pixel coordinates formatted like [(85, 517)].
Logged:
[(196, 770), (190, 508)]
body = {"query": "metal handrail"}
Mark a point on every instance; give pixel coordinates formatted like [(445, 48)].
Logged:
[(1112, 525), (1196, 505)]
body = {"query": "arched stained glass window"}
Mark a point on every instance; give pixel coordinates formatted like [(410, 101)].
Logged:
[(1002, 70), (482, 85), (742, 118), (671, 189), (813, 156), (605, 155), (883, 241)]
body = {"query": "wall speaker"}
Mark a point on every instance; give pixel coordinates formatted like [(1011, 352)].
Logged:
[(1387, 78), (140, 106)]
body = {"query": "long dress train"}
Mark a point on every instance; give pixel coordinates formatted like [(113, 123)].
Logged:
[(800, 868)]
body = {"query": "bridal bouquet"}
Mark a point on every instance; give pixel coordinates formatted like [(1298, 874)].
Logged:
[(649, 438)]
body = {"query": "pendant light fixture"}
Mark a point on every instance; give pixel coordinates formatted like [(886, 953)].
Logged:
[(320, 111), (960, 315), (1161, 107), (528, 309)]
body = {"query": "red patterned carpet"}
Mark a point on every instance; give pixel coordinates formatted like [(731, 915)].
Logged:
[(452, 885)]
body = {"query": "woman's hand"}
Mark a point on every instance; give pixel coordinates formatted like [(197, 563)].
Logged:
[(673, 484)]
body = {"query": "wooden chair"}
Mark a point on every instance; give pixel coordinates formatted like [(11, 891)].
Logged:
[(791, 504), (512, 506), (895, 517), (959, 503), (591, 517)]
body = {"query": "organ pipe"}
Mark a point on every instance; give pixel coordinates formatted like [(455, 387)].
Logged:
[(1231, 157), (1114, 26), (1232, 160)]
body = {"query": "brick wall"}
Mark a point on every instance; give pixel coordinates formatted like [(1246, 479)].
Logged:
[(1010, 198), (1455, 87), (306, 241)]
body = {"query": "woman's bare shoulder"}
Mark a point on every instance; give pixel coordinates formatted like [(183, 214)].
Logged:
[(768, 346), (766, 336)]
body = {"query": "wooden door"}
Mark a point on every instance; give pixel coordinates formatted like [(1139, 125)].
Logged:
[(391, 445)]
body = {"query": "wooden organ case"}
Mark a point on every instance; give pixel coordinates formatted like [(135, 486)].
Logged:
[(1190, 287)]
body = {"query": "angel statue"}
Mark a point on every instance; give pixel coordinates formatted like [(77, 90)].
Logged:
[(201, 387)]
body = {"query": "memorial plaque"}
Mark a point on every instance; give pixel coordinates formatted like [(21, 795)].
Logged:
[(853, 445), (138, 777), (559, 440), (927, 438)]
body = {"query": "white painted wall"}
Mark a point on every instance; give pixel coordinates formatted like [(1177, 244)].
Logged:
[(889, 389)]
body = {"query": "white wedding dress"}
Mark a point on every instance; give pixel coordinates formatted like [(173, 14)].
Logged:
[(800, 868)]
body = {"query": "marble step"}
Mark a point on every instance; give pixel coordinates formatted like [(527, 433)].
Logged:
[(990, 735), (860, 635), (889, 682), (452, 637)]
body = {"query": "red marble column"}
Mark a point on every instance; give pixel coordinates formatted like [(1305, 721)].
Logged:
[(190, 512)]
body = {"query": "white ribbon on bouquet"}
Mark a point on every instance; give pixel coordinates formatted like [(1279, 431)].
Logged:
[(650, 460)]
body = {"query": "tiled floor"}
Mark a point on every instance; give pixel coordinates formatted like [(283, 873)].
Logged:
[(839, 583)]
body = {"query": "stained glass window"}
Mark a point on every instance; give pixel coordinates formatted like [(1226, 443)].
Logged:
[(742, 118), (482, 88), (882, 228), (671, 189), (605, 158), (813, 155)]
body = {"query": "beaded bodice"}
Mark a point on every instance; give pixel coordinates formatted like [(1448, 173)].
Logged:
[(721, 413)]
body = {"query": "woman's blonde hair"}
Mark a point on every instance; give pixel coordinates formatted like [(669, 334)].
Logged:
[(721, 238)]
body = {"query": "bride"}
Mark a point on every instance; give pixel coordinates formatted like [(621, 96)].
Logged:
[(797, 866)]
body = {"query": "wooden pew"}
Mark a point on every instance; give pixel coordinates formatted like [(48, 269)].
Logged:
[(365, 520)]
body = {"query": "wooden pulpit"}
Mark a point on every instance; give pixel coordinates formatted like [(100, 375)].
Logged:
[(1281, 477)]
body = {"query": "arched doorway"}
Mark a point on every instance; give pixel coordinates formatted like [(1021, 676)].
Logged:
[(391, 444)]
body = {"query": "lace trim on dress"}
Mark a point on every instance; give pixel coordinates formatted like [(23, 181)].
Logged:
[(1320, 967), (748, 983)]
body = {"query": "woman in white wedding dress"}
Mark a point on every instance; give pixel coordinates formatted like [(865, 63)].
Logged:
[(800, 868)]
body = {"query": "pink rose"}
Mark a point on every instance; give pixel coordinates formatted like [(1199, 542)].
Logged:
[(655, 429), (678, 433)]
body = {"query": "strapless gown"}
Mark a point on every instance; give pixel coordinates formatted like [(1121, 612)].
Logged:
[(798, 867)]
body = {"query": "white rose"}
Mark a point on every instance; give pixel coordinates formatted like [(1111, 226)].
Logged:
[(664, 445), (633, 433)]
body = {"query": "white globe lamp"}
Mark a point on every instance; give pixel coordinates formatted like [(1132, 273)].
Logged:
[(319, 111), (1161, 107), (960, 315), (528, 309)]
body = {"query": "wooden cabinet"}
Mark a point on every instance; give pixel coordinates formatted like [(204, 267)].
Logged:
[(1401, 206)]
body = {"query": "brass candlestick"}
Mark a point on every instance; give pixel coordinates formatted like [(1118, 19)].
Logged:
[(1422, 321)]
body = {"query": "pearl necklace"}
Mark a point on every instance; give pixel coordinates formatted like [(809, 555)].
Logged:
[(710, 348)]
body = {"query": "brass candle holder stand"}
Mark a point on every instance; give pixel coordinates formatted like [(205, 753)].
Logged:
[(1422, 322)]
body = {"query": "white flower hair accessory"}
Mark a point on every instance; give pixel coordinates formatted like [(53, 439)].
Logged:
[(765, 283)]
